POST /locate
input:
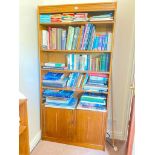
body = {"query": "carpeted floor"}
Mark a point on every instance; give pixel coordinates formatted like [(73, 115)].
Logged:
[(51, 148)]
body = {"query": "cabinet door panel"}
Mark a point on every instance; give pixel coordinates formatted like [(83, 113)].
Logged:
[(90, 127), (58, 123), (50, 124)]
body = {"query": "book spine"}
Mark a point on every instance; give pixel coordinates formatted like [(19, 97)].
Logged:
[(100, 43), (68, 35), (44, 39), (86, 37), (49, 37), (63, 39), (109, 41), (71, 38), (54, 38), (83, 36), (89, 39), (107, 63), (75, 38)]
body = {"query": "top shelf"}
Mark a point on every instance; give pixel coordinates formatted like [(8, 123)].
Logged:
[(77, 23)]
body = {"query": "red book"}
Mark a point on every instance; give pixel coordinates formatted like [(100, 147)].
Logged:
[(98, 74)]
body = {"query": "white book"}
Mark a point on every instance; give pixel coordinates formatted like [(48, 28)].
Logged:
[(109, 41), (45, 39)]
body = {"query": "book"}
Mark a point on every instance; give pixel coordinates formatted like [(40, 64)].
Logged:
[(75, 38), (51, 64), (53, 37), (80, 38), (58, 38), (45, 40), (70, 37), (63, 39)]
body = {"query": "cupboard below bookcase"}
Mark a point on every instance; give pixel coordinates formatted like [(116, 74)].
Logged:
[(80, 127)]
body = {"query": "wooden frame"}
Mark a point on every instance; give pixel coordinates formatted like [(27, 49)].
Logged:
[(106, 25)]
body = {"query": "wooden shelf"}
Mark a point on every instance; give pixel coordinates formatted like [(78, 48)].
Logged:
[(75, 51), (80, 90), (73, 71), (77, 23), (22, 128)]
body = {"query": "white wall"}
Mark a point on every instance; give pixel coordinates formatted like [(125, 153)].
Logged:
[(122, 62), (29, 65)]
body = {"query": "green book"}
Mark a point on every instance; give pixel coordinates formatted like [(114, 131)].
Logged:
[(70, 37), (91, 99), (75, 38)]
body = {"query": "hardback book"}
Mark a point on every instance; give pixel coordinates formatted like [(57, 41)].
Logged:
[(54, 38), (80, 38), (63, 39), (58, 38), (70, 37), (75, 38), (45, 40)]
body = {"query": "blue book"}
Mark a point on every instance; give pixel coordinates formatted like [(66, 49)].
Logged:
[(107, 63), (90, 38), (100, 43), (86, 36), (75, 38), (52, 76)]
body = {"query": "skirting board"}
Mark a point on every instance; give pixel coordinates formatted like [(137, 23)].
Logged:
[(35, 141)]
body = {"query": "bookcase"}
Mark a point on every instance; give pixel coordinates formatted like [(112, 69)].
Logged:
[(83, 124)]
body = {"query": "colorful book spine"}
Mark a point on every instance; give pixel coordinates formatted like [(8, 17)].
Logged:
[(54, 36), (70, 38), (63, 39), (75, 38), (86, 34), (109, 41)]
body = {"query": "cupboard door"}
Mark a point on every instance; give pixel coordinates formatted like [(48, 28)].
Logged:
[(91, 127), (58, 123)]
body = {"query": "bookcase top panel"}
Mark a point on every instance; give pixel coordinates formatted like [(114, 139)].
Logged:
[(87, 7)]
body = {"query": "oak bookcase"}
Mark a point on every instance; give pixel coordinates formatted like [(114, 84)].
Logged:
[(76, 127)]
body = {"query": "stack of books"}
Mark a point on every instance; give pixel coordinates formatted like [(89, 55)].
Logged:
[(45, 18), (80, 17), (91, 101), (58, 80), (103, 17), (56, 18), (75, 80), (76, 38), (97, 82), (59, 99), (88, 62), (51, 65), (67, 17)]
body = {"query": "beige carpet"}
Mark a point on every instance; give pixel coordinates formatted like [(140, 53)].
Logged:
[(51, 148)]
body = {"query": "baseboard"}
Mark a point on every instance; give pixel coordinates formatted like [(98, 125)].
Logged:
[(35, 141)]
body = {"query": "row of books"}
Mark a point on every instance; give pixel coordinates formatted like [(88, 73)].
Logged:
[(88, 62), (82, 62), (97, 82), (65, 99), (59, 99), (72, 17), (76, 38)]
